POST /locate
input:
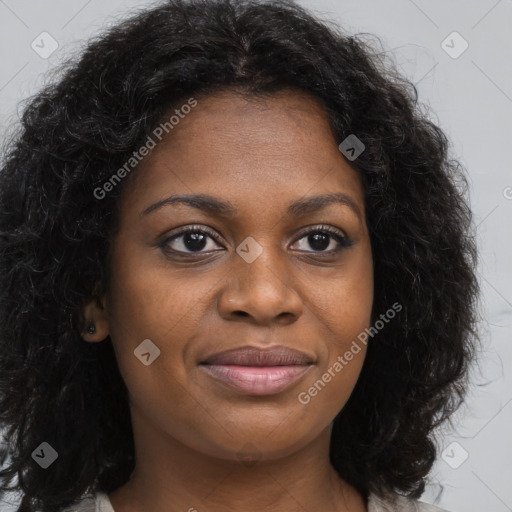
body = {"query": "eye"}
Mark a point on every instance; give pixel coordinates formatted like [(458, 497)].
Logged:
[(322, 237), (193, 239)]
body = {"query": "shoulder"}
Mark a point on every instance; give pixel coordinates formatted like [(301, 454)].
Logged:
[(97, 503), (397, 503)]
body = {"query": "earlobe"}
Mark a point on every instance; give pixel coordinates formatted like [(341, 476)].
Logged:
[(91, 329), (95, 326)]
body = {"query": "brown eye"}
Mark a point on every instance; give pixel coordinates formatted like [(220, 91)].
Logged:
[(190, 240), (325, 239)]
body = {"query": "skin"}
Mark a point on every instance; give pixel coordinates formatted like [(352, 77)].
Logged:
[(189, 430)]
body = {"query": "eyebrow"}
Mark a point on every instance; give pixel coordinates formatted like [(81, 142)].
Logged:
[(216, 207)]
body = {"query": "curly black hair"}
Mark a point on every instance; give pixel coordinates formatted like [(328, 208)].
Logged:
[(55, 238)]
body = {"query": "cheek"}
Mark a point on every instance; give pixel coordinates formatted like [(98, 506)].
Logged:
[(344, 313), (343, 304), (342, 352), (157, 305), (145, 304), (148, 299), (149, 305)]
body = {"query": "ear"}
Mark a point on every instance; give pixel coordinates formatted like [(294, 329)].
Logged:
[(94, 313)]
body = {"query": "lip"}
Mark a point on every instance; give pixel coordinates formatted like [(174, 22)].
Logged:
[(277, 355), (254, 371)]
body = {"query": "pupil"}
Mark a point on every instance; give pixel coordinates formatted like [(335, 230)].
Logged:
[(314, 241), (194, 241)]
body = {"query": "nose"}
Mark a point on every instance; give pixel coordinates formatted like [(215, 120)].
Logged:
[(262, 292)]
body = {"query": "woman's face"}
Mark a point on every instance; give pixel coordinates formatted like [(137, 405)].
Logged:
[(260, 275)]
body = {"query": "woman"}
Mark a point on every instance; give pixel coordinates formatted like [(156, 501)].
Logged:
[(237, 273)]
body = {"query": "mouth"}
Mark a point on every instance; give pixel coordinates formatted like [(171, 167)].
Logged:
[(252, 371)]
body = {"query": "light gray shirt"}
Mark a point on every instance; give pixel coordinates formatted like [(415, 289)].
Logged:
[(100, 503)]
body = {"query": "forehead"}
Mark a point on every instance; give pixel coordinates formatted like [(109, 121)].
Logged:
[(277, 123), (272, 149)]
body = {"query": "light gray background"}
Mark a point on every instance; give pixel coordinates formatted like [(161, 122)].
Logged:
[(469, 96)]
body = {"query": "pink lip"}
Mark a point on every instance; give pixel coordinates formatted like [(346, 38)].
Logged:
[(258, 371), (256, 380)]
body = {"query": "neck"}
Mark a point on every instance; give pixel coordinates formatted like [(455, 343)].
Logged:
[(170, 476)]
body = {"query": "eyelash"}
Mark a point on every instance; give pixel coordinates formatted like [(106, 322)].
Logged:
[(343, 240)]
